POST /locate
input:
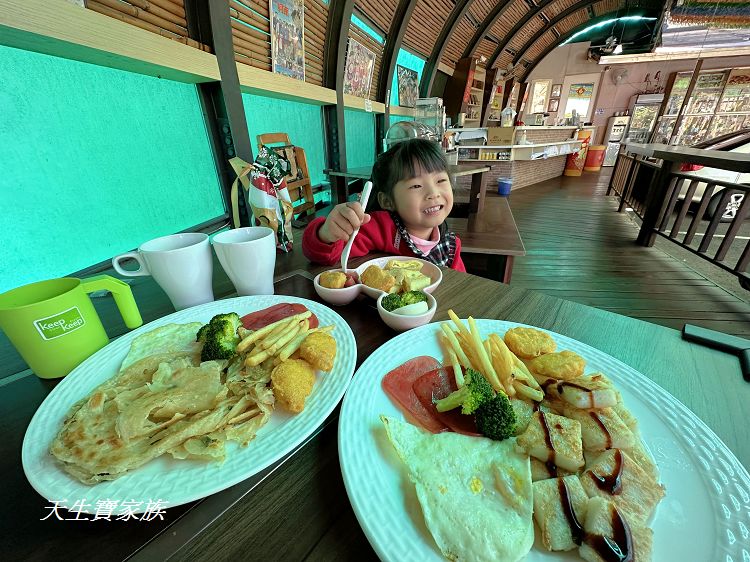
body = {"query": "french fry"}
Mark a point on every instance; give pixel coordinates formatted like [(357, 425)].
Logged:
[(457, 321), (253, 360), (451, 335), (521, 370), (457, 372), (527, 392), (257, 334), (277, 334), (487, 370), (504, 360)]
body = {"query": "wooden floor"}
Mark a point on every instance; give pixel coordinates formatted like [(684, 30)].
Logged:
[(579, 248)]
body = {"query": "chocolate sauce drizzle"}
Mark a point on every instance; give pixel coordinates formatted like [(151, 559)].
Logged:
[(561, 385), (610, 483), (618, 548)]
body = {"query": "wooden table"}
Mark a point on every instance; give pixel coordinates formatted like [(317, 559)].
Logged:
[(298, 509), (490, 240), (476, 196)]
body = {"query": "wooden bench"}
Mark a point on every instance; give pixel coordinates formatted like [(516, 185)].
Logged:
[(489, 240)]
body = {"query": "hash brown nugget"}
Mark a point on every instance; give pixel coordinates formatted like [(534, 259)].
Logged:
[(377, 278), (528, 343), (564, 365), (292, 382), (319, 349), (332, 279)]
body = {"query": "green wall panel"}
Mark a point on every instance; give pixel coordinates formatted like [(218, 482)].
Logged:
[(303, 122), (407, 60), (94, 161), (360, 138)]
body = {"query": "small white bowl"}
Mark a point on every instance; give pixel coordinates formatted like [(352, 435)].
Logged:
[(400, 322), (428, 268), (337, 297)]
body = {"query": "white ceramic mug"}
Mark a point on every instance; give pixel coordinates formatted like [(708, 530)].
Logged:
[(181, 264), (248, 255)]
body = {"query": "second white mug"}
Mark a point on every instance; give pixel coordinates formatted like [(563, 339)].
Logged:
[(180, 263), (248, 255)]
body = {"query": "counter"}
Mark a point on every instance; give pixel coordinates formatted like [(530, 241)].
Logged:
[(542, 158)]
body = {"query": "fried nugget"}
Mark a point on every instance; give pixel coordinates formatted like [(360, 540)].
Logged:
[(528, 343), (377, 278), (319, 349), (332, 279), (292, 382), (563, 365)]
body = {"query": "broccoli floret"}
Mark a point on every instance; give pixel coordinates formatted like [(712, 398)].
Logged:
[(201, 335), (496, 418), (412, 297), (220, 337), (475, 392), (391, 302)]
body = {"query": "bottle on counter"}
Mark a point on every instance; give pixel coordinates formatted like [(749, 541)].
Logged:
[(507, 117)]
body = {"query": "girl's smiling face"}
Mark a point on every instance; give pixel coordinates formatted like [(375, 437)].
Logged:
[(424, 201)]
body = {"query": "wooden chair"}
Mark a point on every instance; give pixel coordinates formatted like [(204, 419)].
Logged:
[(299, 189)]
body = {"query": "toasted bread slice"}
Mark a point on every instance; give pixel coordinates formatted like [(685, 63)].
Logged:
[(627, 417), (604, 520), (638, 492), (587, 391), (601, 429), (564, 436), (543, 471), (553, 498), (643, 458)]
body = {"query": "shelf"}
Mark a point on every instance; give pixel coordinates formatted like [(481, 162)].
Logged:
[(477, 89), (474, 104)]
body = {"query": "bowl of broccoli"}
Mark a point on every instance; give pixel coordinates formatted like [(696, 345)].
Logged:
[(404, 311)]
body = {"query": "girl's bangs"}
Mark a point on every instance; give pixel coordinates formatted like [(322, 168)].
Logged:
[(415, 156)]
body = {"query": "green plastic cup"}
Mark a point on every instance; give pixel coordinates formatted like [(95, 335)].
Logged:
[(54, 325)]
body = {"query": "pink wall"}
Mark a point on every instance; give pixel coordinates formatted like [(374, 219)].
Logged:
[(571, 59)]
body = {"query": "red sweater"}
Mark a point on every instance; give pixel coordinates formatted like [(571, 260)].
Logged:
[(378, 235)]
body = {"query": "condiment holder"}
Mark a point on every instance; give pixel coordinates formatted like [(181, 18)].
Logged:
[(403, 322), (345, 295)]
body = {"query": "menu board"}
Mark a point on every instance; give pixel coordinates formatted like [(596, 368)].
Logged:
[(693, 129), (723, 124), (664, 129), (736, 96), (677, 94)]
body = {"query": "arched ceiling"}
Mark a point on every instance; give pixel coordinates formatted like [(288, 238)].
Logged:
[(501, 33)]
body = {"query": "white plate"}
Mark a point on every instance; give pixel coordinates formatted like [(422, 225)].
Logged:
[(704, 516), (180, 481)]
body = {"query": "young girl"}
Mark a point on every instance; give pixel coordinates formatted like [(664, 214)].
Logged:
[(412, 187)]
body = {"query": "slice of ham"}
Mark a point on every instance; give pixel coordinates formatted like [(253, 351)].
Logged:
[(260, 318), (438, 384), (398, 386)]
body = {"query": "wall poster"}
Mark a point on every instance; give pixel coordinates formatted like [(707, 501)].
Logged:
[(408, 89), (360, 63), (288, 37)]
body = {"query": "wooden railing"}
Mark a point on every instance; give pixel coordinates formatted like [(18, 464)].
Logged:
[(664, 202)]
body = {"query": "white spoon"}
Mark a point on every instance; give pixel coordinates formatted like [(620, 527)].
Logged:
[(365, 195)]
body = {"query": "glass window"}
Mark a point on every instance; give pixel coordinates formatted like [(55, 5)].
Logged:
[(539, 95), (579, 98)]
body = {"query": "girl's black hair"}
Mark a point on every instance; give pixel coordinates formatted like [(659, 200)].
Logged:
[(403, 161)]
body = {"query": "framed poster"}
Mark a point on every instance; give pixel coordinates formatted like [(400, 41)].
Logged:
[(360, 62), (554, 105), (288, 37), (408, 89), (556, 91)]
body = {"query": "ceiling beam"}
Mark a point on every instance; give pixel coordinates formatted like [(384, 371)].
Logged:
[(391, 48), (431, 66), (557, 42), (485, 26), (516, 28), (551, 24)]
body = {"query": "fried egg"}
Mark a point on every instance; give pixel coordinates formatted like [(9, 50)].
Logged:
[(475, 493), (172, 338)]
